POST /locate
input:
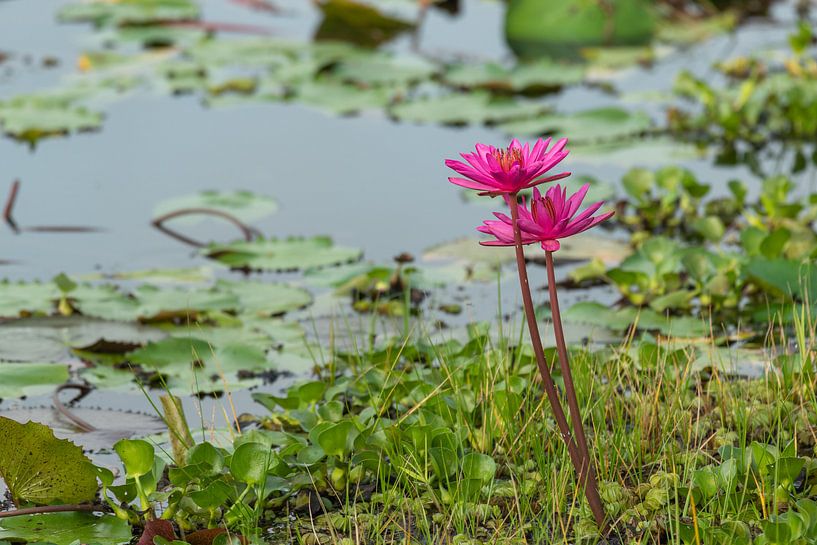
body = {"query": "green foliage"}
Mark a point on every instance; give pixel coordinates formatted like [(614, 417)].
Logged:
[(38, 468), (66, 529)]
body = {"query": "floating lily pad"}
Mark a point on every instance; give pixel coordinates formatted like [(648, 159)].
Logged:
[(283, 254), (110, 425), (469, 250), (244, 205), (104, 12), (193, 275), (30, 119), (51, 339), (265, 298), (67, 528), (341, 98), (39, 468), (596, 125), (462, 108), (150, 303), (365, 23), (29, 379), (542, 75), (384, 69)]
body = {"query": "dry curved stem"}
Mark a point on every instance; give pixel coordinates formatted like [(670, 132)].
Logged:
[(8, 210), (78, 422), (159, 223), (49, 509)]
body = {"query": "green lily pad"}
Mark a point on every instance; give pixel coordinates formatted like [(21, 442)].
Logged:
[(462, 108), (67, 528), (341, 98), (469, 250), (244, 205), (39, 468), (28, 379), (283, 254), (597, 125), (111, 425), (31, 118), (265, 298), (384, 69), (20, 298), (51, 339), (103, 12), (542, 75)]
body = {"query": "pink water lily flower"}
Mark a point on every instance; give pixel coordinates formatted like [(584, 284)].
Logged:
[(548, 219), (495, 171)]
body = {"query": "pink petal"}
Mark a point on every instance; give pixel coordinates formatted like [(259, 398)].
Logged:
[(470, 184)]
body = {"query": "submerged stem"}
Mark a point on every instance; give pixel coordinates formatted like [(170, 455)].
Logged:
[(536, 341), (587, 474)]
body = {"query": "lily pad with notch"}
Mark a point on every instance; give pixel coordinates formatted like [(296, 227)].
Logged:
[(290, 254)]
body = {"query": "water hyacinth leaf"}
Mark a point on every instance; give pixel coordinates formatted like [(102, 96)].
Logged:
[(137, 456), (39, 468), (102, 12), (338, 439), (463, 108), (66, 529), (589, 126), (596, 314), (250, 461), (283, 254), (787, 277), (478, 466), (30, 379), (244, 205)]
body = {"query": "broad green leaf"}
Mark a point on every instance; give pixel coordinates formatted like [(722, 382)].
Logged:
[(39, 468), (478, 466), (137, 456), (66, 529), (250, 461)]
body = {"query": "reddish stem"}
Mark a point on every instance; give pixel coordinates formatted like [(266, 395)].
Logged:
[(248, 232), (536, 341), (48, 509), (8, 210), (588, 475)]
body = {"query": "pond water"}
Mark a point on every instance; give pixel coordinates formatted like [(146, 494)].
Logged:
[(366, 181)]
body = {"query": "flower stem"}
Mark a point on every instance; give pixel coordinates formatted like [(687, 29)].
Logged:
[(587, 474), (536, 341)]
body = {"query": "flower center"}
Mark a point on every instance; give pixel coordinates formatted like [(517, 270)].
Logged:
[(549, 206), (507, 158)]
